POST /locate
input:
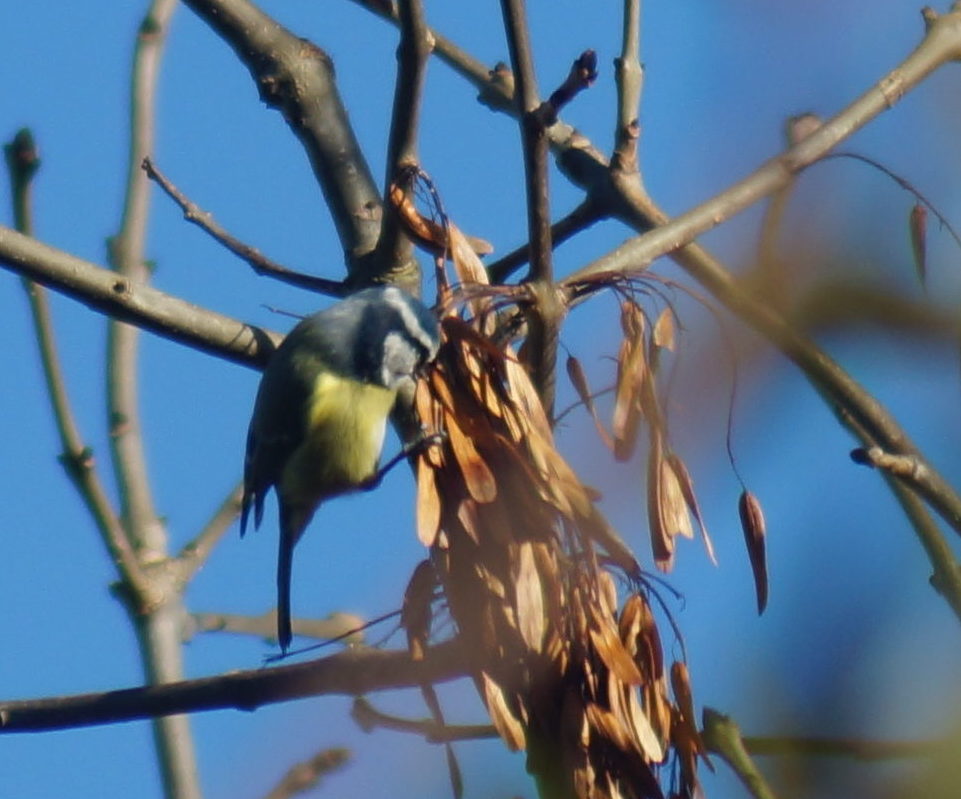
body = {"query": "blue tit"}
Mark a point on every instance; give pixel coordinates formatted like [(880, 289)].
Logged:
[(322, 408)]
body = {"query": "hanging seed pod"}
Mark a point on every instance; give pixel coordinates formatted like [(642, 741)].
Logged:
[(752, 522)]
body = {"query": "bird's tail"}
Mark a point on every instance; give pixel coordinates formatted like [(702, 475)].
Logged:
[(293, 520)]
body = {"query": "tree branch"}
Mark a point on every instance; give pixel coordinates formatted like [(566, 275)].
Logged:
[(347, 673), (297, 78), (413, 51), (155, 609), (113, 295), (580, 218), (195, 553), (370, 718), (723, 737), (76, 458), (259, 262)]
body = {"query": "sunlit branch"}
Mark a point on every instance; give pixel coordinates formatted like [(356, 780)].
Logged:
[(156, 610), (629, 75), (105, 291)]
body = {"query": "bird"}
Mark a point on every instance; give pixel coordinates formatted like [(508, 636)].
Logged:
[(321, 411)]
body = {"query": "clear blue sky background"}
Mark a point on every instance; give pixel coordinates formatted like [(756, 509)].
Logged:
[(854, 641)]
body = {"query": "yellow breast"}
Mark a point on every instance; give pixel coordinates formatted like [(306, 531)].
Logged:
[(346, 422)]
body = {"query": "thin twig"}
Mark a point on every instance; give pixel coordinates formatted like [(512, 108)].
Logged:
[(904, 184), (259, 262), (580, 218), (306, 775), (76, 458), (344, 628), (723, 737), (370, 718), (195, 553)]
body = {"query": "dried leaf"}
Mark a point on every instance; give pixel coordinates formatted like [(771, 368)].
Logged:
[(681, 685), (610, 649), (425, 232), (606, 725), (468, 516), (647, 739), (579, 380), (631, 374), (505, 722), (428, 502), (687, 488), (415, 616), (529, 598), (478, 477), (664, 330), (638, 631), (662, 542), (677, 519), (607, 593), (918, 224), (752, 522)]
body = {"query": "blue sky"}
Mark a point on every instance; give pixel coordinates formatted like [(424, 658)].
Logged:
[(854, 641)]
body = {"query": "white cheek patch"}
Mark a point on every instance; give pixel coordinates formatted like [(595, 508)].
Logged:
[(396, 300), (399, 360)]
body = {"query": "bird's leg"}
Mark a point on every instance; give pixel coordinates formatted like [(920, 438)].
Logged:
[(413, 447)]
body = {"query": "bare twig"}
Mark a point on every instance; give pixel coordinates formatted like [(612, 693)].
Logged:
[(723, 737), (582, 217), (941, 44), (629, 75), (259, 262), (77, 458), (344, 628), (347, 673), (370, 718), (196, 552), (306, 775)]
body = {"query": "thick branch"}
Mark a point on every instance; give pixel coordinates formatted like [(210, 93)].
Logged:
[(545, 313), (297, 78), (146, 307), (347, 673), (414, 49)]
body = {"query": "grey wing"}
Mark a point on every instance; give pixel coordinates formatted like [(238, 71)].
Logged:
[(276, 429)]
